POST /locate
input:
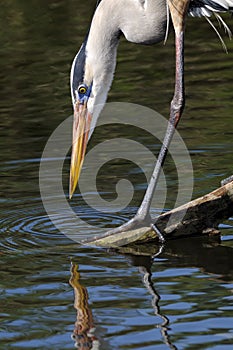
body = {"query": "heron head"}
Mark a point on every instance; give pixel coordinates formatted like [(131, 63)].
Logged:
[(91, 77), (81, 132)]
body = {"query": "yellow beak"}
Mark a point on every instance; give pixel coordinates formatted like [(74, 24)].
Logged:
[(81, 128)]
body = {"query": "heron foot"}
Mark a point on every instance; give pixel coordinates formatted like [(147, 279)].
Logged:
[(160, 235), (133, 224), (137, 222)]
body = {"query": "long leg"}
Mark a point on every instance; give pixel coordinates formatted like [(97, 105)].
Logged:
[(178, 9), (177, 106)]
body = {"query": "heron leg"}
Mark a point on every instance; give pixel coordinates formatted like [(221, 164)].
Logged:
[(142, 217), (176, 109)]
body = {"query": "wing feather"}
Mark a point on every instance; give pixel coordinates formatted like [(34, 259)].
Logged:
[(206, 8)]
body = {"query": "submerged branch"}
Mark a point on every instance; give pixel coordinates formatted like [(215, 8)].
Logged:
[(198, 217)]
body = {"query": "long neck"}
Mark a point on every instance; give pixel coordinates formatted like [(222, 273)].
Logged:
[(101, 51)]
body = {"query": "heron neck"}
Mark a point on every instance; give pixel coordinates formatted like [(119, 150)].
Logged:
[(101, 51)]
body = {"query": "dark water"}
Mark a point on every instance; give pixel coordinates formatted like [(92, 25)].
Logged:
[(183, 298)]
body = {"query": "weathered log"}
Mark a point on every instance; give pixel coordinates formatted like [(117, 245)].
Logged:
[(198, 217)]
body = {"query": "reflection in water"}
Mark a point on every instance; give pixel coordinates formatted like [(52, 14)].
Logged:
[(203, 252), (84, 329), (144, 264), (155, 303), (199, 252), (206, 253)]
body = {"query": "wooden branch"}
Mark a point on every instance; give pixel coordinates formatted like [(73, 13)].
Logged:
[(198, 217)]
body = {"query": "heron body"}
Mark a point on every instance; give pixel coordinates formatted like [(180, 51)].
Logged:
[(104, 35), (141, 22)]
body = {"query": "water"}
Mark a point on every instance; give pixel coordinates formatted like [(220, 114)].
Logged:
[(182, 299)]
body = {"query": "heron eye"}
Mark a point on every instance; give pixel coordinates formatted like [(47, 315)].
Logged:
[(82, 89)]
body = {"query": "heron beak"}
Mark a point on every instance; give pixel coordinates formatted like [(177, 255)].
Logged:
[(81, 128)]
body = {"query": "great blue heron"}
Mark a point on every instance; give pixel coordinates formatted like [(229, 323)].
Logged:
[(142, 22)]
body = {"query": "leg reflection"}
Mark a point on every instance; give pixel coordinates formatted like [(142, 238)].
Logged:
[(146, 277)]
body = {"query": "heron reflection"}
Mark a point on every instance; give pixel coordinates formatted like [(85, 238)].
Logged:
[(84, 328), (163, 326)]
